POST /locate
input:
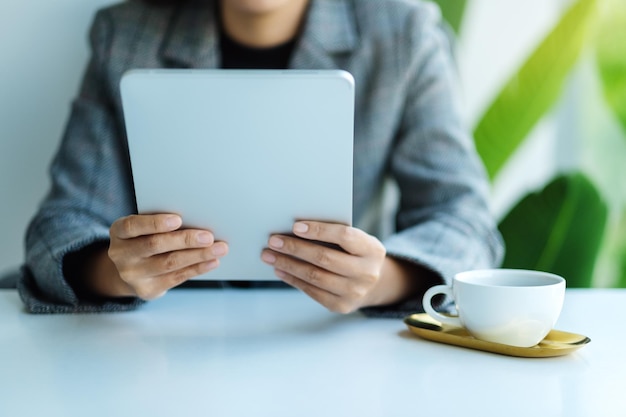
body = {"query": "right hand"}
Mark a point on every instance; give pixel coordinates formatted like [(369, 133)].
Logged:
[(152, 254)]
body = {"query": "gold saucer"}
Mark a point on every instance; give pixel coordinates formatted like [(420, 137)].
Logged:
[(556, 343)]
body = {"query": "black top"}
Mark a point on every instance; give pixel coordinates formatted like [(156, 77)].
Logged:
[(238, 56)]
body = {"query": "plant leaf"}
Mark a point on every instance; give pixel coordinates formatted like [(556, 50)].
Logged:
[(452, 11), (559, 229), (611, 55), (532, 91), (622, 269), (617, 250)]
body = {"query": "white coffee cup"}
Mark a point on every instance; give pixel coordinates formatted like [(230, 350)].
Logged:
[(510, 306)]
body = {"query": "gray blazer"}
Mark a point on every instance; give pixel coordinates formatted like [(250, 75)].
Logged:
[(408, 128)]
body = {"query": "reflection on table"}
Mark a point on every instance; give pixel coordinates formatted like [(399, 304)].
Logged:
[(239, 352)]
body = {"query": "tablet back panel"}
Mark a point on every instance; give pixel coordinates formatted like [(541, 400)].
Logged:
[(241, 153)]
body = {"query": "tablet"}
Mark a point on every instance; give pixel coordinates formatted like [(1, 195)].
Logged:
[(243, 153)]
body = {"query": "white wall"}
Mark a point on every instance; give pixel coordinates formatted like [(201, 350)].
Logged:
[(43, 49)]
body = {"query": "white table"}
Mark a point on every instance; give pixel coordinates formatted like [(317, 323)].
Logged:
[(274, 353)]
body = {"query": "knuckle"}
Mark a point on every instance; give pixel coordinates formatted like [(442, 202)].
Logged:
[(113, 253), (189, 238), (180, 276), (154, 220), (129, 275), (313, 275), (153, 243), (322, 257), (146, 293), (123, 267), (316, 229), (290, 246), (206, 254), (370, 277), (127, 226), (358, 292), (142, 293), (126, 276), (171, 262), (348, 234)]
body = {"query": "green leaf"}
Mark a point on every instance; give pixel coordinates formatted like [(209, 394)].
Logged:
[(559, 229), (532, 91), (611, 55), (452, 11), (619, 250), (622, 269)]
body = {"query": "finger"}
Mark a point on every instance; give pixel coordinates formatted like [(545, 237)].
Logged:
[(159, 285), (159, 243), (143, 224), (325, 298), (180, 259), (330, 259), (350, 239), (307, 272)]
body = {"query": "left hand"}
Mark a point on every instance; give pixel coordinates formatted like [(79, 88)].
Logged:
[(342, 281)]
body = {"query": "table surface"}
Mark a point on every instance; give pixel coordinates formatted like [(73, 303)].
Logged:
[(277, 353)]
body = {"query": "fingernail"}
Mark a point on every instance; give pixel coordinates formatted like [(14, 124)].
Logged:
[(173, 221), (300, 227), (205, 237), (268, 257), (276, 242), (218, 250)]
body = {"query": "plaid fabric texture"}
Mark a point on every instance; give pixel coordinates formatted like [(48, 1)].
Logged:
[(408, 128)]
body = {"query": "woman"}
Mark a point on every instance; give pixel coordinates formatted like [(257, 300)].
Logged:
[(88, 251)]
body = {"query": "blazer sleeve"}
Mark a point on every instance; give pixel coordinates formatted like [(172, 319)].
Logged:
[(444, 223), (90, 188)]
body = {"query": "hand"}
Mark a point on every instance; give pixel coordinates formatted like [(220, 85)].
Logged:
[(152, 254), (341, 280)]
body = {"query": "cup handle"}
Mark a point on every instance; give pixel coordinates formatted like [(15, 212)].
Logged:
[(428, 307)]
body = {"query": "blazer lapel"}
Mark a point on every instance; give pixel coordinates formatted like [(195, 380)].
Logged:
[(192, 40), (329, 31)]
